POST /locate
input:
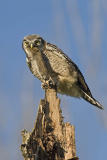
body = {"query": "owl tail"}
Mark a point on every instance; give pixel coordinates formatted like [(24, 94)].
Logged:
[(91, 100)]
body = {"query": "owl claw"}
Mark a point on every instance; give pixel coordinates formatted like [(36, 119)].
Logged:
[(44, 85), (51, 84), (48, 84)]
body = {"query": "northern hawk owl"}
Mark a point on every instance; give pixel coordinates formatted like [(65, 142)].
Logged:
[(51, 65)]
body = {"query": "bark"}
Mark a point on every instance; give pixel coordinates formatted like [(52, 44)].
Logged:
[(51, 138)]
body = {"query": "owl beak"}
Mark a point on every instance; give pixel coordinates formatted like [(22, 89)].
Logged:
[(31, 45)]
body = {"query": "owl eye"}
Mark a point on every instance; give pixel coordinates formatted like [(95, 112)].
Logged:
[(26, 43), (37, 42)]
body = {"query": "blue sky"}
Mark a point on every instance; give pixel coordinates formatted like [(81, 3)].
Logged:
[(79, 29)]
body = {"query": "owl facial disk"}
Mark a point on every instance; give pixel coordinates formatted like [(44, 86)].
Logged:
[(33, 42)]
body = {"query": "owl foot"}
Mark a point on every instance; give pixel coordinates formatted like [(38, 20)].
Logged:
[(48, 84)]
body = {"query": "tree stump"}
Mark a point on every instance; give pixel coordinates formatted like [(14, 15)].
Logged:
[(51, 138)]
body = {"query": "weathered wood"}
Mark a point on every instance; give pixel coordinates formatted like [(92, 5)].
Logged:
[(51, 138)]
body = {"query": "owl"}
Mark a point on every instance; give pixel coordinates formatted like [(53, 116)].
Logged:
[(55, 69)]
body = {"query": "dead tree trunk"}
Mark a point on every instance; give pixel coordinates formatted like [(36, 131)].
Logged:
[(51, 138)]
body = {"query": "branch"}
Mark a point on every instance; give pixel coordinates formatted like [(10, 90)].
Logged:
[(51, 138)]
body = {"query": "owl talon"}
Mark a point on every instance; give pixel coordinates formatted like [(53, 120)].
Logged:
[(51, 84), (48, 84), (44, 86)]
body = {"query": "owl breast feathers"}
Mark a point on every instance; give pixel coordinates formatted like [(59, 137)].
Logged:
[(47, 62)]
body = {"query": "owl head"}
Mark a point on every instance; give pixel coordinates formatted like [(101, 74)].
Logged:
[(33, 43)]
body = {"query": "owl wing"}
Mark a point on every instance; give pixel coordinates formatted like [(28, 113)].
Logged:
[(64, 66), (82, 84)]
